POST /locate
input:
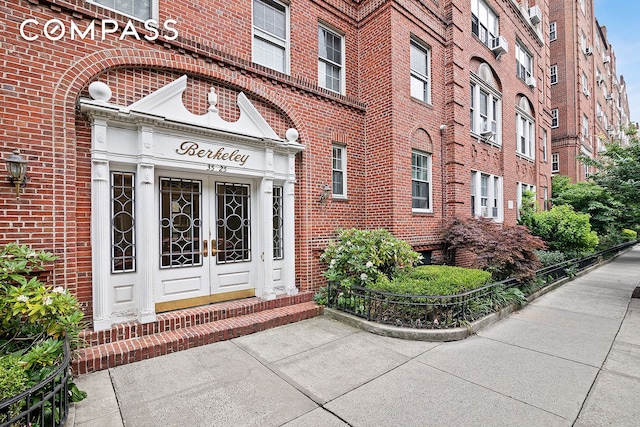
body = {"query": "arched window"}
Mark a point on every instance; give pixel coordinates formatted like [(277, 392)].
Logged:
[(485, 115)]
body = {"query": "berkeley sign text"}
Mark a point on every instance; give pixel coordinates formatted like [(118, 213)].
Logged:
[(190, 148)]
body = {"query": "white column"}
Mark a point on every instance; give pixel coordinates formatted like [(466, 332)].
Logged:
[(288, 213), (100, 227), (266, 228), (145, 227)]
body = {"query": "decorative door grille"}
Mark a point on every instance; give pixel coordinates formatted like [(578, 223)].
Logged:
[(180, 222), (233, 223), (123, 242), (278, 224)]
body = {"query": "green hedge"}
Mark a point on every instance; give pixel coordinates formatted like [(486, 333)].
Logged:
[(435, 280), (630, 235)]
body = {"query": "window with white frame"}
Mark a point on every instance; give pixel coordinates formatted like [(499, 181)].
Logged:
[(420, 71), (339, 171), (553, 31), (524, 62), (486, 195), (582, 6), (271, 34), (555, 162), (599, 112), (520, 189), (583, 41), (484, 22), (421, 181), (330, 60), (553, 74), (485, 110), (554, 118), (585, 85), (544, 145), (585, 126), (526, 139), (140, 9)]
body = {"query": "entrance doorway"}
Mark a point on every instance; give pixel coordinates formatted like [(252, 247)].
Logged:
[(205, 247)]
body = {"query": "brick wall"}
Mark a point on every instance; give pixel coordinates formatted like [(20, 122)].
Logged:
[(376, 119)]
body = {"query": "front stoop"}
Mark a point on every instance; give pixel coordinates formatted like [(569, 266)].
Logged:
[(184, 329)]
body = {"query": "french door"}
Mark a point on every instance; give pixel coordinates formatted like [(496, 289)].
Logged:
[(205, 245)]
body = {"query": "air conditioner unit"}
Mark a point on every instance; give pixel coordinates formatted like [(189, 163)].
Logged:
[(499, 46), (609, 128), (484, 211), (586, 92), (535, 14), (488, 129), (599, 114), (531, 82), (606, 59), (600, 80), (609, 97), (588, 51)]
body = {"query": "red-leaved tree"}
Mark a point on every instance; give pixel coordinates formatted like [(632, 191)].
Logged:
[(504, 251)]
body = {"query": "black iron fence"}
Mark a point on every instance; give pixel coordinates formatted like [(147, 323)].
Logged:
[(438, 312), (44, 405)]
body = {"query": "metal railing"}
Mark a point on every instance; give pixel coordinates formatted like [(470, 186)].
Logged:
[(45, 404), (439, 312)]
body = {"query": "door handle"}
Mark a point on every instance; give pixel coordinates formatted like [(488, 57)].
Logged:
[(205, 252), (214, 247)]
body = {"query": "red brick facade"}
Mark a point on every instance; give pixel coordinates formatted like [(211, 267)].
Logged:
[(376, 119), (590, 98)]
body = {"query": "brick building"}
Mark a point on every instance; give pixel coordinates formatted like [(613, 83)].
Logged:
[(211, 153), (589, 100)]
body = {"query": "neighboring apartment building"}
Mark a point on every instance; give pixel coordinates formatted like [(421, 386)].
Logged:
[(589, 101), (211, 154)]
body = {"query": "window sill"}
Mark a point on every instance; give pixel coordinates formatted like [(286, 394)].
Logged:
[(421, 102), (339, 198), (484, 140), (525, 157), (421, 211)]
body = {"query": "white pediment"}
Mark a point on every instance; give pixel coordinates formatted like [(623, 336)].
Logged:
[(167, 103)]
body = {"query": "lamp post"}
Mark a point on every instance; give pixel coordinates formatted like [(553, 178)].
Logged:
[(17, 168)]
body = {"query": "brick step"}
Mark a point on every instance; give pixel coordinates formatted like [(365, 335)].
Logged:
[(121, 352), (189, 317)]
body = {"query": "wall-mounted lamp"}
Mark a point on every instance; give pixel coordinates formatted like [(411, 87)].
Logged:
[(17, 168), (324, 194)]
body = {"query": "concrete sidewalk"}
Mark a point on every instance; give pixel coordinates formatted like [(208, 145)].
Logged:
[(572, 357)]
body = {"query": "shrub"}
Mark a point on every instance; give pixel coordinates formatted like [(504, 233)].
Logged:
[(13, 381), (34, 319), (609, 240), (359, 257), (435, 280), (564, 230), (528, 207), (629, 235), (505, 252), (548, 258)]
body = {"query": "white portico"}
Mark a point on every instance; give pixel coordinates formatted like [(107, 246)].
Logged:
[(186, 209)]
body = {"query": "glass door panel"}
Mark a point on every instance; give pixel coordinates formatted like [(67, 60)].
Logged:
[(180, 223)]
